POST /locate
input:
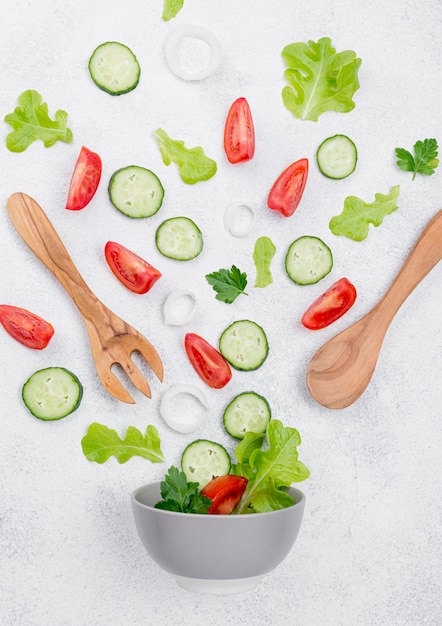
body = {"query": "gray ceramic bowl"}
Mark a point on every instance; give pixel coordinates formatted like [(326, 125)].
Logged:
[(215, 553)]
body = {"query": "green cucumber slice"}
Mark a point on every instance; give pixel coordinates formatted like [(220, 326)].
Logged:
[(308, 259), (337, 157), (179, 238), (247, 412), (52, 393), (204, 460), (244, 345), (136, 191), (114, 68)]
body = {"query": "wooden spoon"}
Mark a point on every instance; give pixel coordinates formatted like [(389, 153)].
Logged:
[(341, 369)]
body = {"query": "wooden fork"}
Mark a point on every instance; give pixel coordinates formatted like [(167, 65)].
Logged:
[(112, 339)]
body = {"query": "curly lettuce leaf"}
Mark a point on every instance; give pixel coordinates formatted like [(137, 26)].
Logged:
[(101, 442), (171, 8), (263, 253), (357, 215), (30, 121), (271, 469), (194, 166), (319, 79)]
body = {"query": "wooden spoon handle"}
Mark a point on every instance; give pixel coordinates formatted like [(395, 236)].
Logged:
[(38, 233), (426, 253)]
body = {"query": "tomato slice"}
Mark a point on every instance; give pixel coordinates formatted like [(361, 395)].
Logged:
[(207, 362), (329, 307), (131, 270), (239, 132), (225, 493), (287, 190), (85, 180), (26, 327)]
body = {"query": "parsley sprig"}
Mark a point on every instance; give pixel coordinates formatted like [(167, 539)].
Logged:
[(228, 284), (424, 160), (180, 496)]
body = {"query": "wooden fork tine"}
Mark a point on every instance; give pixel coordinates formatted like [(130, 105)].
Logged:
[(151, 356), (136, 377), (115, 387)]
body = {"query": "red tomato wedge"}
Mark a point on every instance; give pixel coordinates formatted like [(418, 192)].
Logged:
[(25, 327), (239, 132), (225, 493), (287, 190), (85, 180), (207, 362), (329, 307), (131, 270)]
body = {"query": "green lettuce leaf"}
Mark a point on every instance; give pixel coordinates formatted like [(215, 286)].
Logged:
[(171, 8), (194, 166), (263, 254), (357, 215), (274, 468), (101, 442), (30, 121), (319, 79)]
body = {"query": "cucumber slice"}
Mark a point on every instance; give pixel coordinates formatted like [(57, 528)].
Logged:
[(337, 157), (114, 68), (308, 259), (136, 191), (179, 238), (204, 460), (244, 345), (52, 393), (247, 412)]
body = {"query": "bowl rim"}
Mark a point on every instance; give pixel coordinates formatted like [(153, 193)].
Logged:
[(298, 494)]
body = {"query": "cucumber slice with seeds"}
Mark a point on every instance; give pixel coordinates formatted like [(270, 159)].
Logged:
[(337, 157), (204, 460), (179, 238), (114, 68), (247, 412), (244, 345), (136, 191), (52, 393), (308, 259)]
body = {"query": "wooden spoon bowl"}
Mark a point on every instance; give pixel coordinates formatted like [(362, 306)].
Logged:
[(341, 369)]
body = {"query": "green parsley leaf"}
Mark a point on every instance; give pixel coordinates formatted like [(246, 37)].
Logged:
[(193, 165), (356, 216), (424, 160), (228, 284), (181, 496), (101, 442), (30, 121), (319, 79), (171, 8)]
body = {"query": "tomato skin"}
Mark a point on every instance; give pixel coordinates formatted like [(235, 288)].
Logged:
[(131, 270), (25, 327), (225, 493), (239, 132), (331, 305), (286, 192), (85, 180), (208, 363)]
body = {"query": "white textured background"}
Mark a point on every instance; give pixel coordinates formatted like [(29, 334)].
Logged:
[(369, 551)]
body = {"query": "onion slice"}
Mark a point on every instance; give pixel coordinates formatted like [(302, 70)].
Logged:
[(176, 309), (172, 409), (240, 218), (172, 51)]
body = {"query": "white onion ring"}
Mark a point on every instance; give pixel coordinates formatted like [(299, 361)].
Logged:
[(231, 219), (189, 423), (173, 54), (172, 308)]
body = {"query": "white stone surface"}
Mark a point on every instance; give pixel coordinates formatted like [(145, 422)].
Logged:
[(369, 552)]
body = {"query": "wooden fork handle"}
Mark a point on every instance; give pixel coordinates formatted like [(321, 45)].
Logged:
[(34, 227), (425, 254)]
